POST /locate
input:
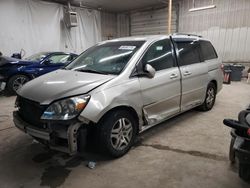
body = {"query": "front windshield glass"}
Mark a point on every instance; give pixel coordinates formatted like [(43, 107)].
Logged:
[(37, 57), (108, 58)]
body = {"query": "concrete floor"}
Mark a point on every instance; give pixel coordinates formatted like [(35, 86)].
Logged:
[(188, 151)]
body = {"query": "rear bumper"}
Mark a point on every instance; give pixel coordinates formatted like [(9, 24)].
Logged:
[(241, 147), (69, 137)]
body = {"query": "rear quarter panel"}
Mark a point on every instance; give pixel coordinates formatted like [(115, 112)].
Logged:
[(215, 72)]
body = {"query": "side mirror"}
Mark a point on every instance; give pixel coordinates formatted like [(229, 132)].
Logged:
[(149, 71)]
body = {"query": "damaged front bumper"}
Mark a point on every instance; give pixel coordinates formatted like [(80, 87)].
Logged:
[(67, 139)]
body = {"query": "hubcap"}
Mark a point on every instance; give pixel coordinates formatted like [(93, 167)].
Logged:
[(121, 134), (210, 97), (19, 82)]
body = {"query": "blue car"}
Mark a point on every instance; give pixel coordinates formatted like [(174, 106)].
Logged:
[(14, 73)]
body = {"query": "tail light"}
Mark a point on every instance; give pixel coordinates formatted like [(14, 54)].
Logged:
[(248, 131), (222, 67)]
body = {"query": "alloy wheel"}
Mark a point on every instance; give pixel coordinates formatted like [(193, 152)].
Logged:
[(121, 134), (19, 82), (210, 97)]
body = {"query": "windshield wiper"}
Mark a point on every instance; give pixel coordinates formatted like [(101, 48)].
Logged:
[(91, 71)]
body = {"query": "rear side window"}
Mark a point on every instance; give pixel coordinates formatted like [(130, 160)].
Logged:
[(189, 52), (159, 55), (208, 50)]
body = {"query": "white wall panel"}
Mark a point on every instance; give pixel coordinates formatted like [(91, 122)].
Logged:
[(123, 25), (109, 25), (152, 21), (38, 26), (227, 26)]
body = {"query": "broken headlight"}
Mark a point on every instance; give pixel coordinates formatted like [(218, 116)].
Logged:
[(66, 109)]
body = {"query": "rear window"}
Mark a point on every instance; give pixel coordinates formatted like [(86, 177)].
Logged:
[(208, 50), (188, 52)]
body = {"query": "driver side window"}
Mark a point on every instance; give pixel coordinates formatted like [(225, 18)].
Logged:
[(159, 55)]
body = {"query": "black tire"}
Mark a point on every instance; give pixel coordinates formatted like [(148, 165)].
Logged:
[(12, 87), (244, 172), (107, 129), (232, 151), (209, 103)]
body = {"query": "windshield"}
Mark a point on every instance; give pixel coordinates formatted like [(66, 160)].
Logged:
[(37, 57), (108, 58)]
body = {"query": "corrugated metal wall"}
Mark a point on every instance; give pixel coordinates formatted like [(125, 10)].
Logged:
[(109, 25), (123, 25), (114, 25), (227, 26), (152, 21), (148, 21)]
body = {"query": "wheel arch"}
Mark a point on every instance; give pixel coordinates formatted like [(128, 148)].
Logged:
[(9, 88), (124, 108), (20, 73), (215, 83)]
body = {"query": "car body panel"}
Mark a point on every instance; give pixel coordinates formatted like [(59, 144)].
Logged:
[(215, 72), (60, 84), (194, 85), (111, 91), (161, 95), (118, 95)]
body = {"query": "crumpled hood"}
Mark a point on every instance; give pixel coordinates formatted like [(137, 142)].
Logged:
[(4, 60), (60, 84)]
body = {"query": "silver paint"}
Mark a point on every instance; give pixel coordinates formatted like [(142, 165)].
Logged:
[(169, 93)]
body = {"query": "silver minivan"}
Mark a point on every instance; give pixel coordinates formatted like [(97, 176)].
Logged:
[(117, 89)]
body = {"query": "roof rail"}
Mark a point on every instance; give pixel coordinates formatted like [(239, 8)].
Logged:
[(188, 34)]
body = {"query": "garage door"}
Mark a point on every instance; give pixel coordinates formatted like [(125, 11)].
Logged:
[(152, 22)]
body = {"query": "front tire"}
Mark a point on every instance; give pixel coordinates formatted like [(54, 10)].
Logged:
[(117, 133), (210, 98), (15, 83)]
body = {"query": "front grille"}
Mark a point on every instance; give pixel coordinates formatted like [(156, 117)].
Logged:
[(30, 111)]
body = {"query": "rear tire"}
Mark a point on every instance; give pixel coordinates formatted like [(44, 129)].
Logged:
[(116, 133), (210, 98), (244, 172), (16, 82)]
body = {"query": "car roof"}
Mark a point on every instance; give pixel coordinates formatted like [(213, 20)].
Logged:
[(187, 37), (150, 38), (51, 53), (139, 38)]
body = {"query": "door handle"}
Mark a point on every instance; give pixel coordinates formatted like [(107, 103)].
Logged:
[(172, 76), (187, 73)]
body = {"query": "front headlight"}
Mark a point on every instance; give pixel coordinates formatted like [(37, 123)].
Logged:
[(66, 109)]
